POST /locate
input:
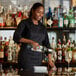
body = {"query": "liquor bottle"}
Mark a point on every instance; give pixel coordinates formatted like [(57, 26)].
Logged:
[(64, 49), (49, 17), (9, 9), (73, 51), (1, 50), (53, 43), (10, 71), (60, 16), (2, 23), (59, 44), (71, 19), (60, 11), (68, 57), (1, 69), (68, 43), (66, 21), (9, 21), (70, 54), (45, 59), (6, 49), (59, 51), (3, 74), (25, 12), (11, 42), (1, 9), (42, 49), (25, 15), (55, 18), (19, 17), (60, 22), (19, 14), (73, 44), (75, 16), (59, 71), (16, 71), (10, 48), (17, 51), (14, 53), (1, 66), (9, 53)]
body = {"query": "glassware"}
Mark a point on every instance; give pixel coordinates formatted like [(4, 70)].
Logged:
[(68, 58)]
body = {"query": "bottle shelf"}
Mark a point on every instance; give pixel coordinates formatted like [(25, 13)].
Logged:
[(3, 62), (8, 64), (48, 28), (62, 64), (58, 64), (8, 28), (67, 30), (61, 28)]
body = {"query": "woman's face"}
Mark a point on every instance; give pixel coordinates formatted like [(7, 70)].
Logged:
[(37, 14)]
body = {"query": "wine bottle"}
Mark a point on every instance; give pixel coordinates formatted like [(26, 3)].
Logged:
[(49, 17), (9, 53), (59, 51), (71, 19), (55, 18), (60, 21), (66, 21), (14, 53), (53, 43), (64, 49), (6, 49), (1, 50)]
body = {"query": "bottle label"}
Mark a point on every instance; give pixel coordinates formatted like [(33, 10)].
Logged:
[(61, 22), (59, 69), (9, 56), (74, 56), (72, 21), (66, 22), (49, 22), (1, 20), (70, 54), (60, 55), (1, 54)]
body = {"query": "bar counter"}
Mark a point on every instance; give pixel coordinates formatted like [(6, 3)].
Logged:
[(28, 73)]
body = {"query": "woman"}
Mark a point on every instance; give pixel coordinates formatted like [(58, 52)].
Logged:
[(31, 31)]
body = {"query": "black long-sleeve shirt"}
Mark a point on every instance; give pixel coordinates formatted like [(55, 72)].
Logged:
[(26, 29)]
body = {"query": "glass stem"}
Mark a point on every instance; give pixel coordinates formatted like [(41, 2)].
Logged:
[(68, 68)]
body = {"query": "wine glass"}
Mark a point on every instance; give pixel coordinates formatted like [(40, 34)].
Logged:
[(68, 58)]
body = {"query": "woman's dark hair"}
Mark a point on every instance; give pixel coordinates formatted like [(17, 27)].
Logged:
[(34, 7)]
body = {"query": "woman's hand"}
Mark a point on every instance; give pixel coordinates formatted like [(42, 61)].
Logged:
[(35, 45), (54, 68), (51, 63), (52, 71)]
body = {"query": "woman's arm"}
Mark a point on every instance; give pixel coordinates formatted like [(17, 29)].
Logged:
[(18, 32), (50, 61), (31, 42)]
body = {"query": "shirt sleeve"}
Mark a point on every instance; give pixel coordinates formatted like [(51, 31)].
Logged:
[(18, 32), (46, 40)]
